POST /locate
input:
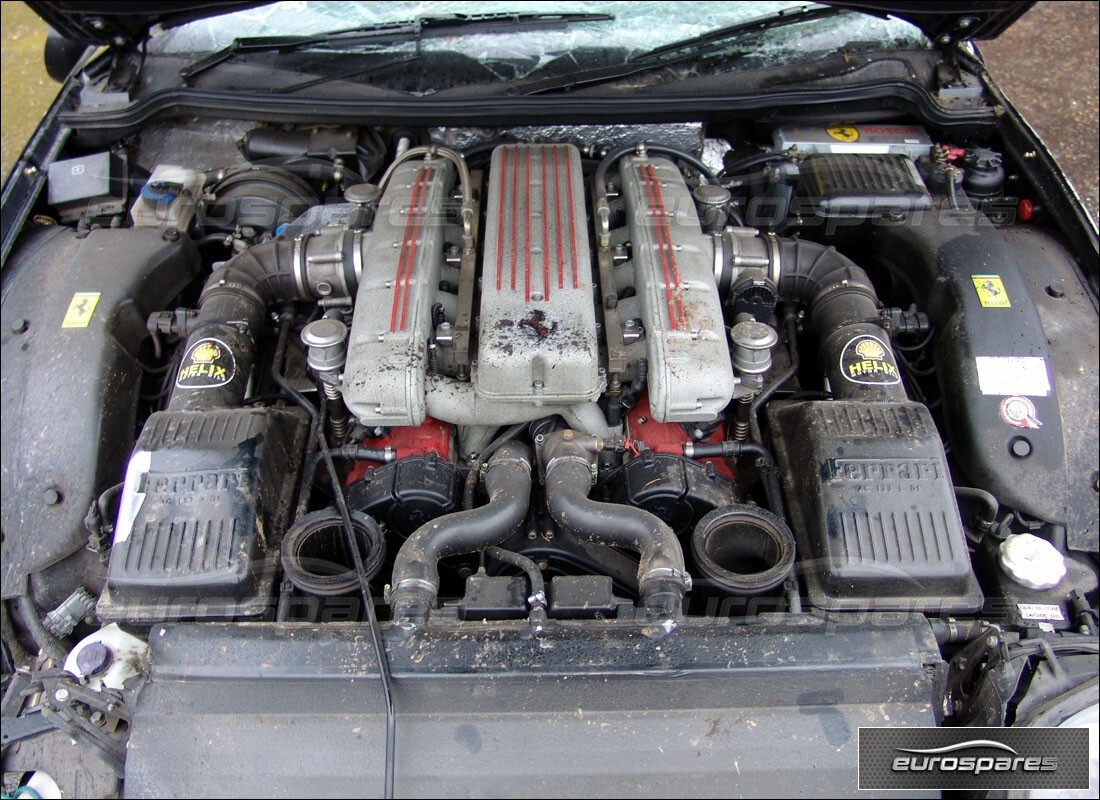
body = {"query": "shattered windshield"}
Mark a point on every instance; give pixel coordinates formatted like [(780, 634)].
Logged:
[(515, 54)]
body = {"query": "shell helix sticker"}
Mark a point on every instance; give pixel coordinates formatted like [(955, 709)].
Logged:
[(207, 364), (991, 291), (81, 308), (1019, 412), (867, 359), (843, 133)]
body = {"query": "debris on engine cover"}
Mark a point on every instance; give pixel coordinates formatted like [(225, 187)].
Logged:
[(690, 374), (873, 504), (538, 322), (205, 501), (402, 256)]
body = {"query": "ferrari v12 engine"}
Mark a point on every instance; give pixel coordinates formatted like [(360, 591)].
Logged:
[(530, 383)]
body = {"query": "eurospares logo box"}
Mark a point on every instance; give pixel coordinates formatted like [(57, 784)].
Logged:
[(973, 758)]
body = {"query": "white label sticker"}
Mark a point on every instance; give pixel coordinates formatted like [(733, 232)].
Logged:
[(1013, 375), (1040, 611), (132, 494)]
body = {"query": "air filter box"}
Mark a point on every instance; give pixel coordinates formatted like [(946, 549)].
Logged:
[(873, 507), (858, 186), (205, 502)]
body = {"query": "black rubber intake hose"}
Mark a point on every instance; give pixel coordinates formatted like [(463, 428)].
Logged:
[(232, 309), (662, 580), (844, 309), (416, 571)]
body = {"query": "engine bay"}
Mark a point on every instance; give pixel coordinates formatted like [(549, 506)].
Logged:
[(554, 378), (693, 390)]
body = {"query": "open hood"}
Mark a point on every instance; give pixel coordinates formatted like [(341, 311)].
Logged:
[(114, 23)]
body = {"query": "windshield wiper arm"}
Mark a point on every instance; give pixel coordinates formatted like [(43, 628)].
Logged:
[(718, 37), (392, 32), (678, 52)]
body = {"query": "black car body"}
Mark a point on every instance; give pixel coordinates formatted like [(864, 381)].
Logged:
[(489, 401)]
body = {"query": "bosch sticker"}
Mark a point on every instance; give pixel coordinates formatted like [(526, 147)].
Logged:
[(207, 364), (1019, 412), (867, 359), (843, 133), (991, 291)]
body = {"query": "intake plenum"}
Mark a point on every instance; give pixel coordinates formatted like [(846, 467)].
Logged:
[(416, 570)]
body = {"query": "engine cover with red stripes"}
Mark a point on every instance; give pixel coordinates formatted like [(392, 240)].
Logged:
[(538, 341), (673, 264), (403, 256)]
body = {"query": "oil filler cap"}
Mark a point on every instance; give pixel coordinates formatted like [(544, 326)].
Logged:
[(1032, 562)]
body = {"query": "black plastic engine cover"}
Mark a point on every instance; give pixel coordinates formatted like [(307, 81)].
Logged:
[(205, 503), (873, 507), (677, 490), (407, 493)]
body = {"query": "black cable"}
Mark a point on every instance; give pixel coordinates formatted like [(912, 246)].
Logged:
[(350, 452), (915, 347), (372, 619), (537, 597), (738, 168), (155, 370), (661, 149), (523, 563), (267, 398), (764, 461), (508, 435), (991, 508), (223, 239), (285, 319)]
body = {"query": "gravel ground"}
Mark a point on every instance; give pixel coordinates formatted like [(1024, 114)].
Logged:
[(1047, 63)]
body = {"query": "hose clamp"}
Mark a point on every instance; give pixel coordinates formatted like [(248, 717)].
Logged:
[(672, 574), (357, 256), (416, 585), (515, 461), (775, 265), (298, 262), (587, 463)]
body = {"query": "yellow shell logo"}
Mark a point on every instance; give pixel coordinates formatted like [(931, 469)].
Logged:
[(205, 353), (843, 133), (870, 349)]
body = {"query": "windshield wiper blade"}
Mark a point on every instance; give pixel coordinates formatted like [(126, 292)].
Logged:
[(680, 51), (719, 37), (392, 32)]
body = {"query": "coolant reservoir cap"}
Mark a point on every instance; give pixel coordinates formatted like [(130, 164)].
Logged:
[(1032, 562)]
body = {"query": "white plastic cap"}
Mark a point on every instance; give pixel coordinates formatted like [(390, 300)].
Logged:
[(1032, 562)]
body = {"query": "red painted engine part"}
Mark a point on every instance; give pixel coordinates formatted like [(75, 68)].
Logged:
[(668, 437), (432, 436)]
